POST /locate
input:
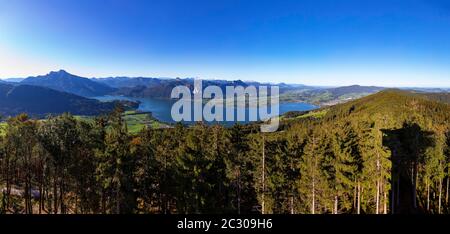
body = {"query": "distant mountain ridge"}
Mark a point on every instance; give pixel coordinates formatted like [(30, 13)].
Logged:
[(128, 86), (339, 91), (128, 82), (148, 87), (329, 96), (143, 87), (14, 80), (66, 82), (162, 88)]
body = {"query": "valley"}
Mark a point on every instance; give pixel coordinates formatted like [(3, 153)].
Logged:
[(136, 121), (59, 92)]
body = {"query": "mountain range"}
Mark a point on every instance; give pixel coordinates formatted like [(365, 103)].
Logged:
[(60, 91), (66, 82), (162, 87)]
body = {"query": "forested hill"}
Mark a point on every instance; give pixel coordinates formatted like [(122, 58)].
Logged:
[(440, 97), (385, 153), (393, 104), (40, 101), (391, 148)]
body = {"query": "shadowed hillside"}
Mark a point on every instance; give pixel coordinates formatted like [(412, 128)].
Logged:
[(40, 101)]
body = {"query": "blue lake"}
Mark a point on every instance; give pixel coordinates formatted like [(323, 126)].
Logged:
[(161, 108)]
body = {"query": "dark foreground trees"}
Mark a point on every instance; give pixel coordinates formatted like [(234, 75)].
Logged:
[(350, 161)]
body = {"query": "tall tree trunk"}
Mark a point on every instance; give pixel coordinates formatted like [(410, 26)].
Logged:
[(8, 187), (30, 201), (26, 197), (292, 204), (392, 196), (292, 190), (313, 197), (428, 194), (354, 194), (358, 210), (118, 198), (41, 192), (61, 196), (313, 205), (378, 185), (385, 201), (362, 193), (165, 199), (377, 198), (55, 195), (263, 177), (47, 199), (239, 191), (446, 193), (335, 211), (440, 195)]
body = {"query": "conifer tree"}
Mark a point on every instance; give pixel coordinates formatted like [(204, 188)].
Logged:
[(376, 168), (313, 185), (115, 168), (342, 166)]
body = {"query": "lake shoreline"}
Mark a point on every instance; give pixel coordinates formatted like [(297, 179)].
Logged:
[(161, 108)]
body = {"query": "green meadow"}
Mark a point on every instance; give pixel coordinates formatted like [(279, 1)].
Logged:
[(135, 121)]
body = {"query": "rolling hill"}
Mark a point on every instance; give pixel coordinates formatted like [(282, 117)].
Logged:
[(392, 105), (329, 96)]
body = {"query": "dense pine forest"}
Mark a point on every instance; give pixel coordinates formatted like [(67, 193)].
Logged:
[(385, 153)]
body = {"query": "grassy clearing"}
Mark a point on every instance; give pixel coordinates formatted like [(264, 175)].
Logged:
[(314, 114), (135, 121)]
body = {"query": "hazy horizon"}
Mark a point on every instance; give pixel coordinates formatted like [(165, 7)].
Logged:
[(311, 85), (315, 43)]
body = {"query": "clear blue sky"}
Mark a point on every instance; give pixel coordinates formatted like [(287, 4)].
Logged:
[(341, 42)]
